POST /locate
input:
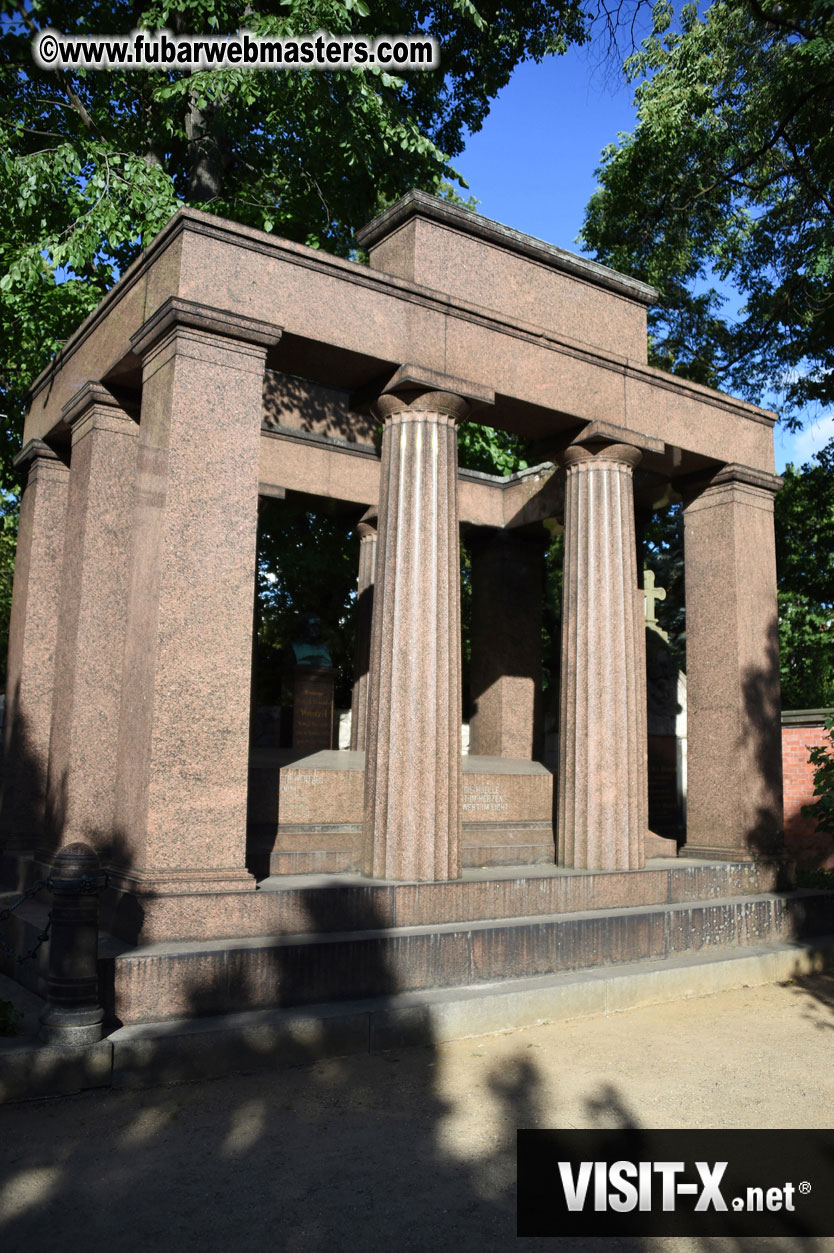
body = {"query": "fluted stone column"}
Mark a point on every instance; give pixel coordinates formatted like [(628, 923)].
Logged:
[(603, 793), (364, 618), (91, 634), (413, 757), (734, 794), (33, 632), (506, 668)]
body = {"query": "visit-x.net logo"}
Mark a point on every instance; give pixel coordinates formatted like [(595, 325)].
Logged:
[(631, 1181)]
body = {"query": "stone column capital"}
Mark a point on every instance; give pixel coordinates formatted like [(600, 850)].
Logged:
[(418, 390), (420, 405), (731, 482), (36, 454), (94, 406), (366, 527), (202, 323), (597, 454)]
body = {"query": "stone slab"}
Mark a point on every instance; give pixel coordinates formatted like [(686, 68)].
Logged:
[(284, 903), (183, 1051), (158, 982), (180, 1052), (29, 1070), (312, 716), (306, 810)]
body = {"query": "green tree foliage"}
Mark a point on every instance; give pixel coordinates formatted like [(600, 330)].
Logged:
[(729, 177), (822, 759), (308, 560), (805, 566), (805, 577), (92, 164)]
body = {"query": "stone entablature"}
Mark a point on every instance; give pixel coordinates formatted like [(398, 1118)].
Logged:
[(349, 326)]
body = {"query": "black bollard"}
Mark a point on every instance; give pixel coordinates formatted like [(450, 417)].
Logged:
[(73, 1014)]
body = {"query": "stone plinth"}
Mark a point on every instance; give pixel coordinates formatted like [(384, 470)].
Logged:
[(506, 667), (32, 637), (602, 811), (734, 798), (306, 813), (412, 780), (184, 728), (312, 711), (364, 618), (88, 661)]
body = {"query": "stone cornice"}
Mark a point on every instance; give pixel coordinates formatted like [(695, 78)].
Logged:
[(91, 394), (34, 450), (695, 485), (734, 473), (176, 313)]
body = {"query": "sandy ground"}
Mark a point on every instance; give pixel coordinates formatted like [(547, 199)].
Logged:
[(412, 1150)]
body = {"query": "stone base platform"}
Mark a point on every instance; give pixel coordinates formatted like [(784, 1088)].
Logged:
[(187, 1049), (311, 940), (305, 813)]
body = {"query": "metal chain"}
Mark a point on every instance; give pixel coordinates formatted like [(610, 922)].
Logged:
[(43, 936), (20, 958), (85, 885)]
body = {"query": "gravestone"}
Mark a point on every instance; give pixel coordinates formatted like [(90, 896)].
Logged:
[(312, 718), (313, 680)]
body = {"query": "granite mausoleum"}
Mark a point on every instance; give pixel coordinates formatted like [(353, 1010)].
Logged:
[(228, 364)]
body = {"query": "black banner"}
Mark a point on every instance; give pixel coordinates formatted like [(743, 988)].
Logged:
[(636, 1182)]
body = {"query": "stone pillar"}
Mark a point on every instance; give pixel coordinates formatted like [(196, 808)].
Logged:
[(506, 669), (734, 802), (91, 634), (603, 795), (364, 617), (184, 725), (32, 635), (413, 757)]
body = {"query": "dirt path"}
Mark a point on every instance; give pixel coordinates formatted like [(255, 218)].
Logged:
[(412, 1150)]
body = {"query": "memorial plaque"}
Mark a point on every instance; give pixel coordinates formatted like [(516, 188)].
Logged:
[(312, 719)]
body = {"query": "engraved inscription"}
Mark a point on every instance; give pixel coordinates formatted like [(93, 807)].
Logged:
[(483, 798)]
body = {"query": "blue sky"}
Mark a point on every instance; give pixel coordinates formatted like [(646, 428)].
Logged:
[(532, 167)]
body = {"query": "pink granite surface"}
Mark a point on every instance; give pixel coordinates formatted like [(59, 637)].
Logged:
[(349, 309), (307, 904), (412, 776), (182, 740), (184, 728), (364, 617), (455, 251), (33, 632), (603, 787), (91, 634), (506, 663), (734, 804), (307, 813)]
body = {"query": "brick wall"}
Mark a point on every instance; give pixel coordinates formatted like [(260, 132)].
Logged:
[(801, 731)]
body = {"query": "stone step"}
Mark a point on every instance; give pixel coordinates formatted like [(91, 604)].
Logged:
[(184, 1050), (191, 979), (290, 904)]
